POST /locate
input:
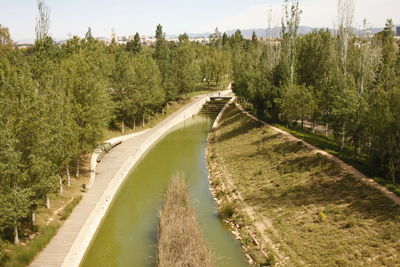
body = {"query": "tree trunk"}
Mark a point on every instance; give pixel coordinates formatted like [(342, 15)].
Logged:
[(48, 204), (343, 137), (134, 123), (16, 238), (391, 170), (143, 120), (33, 218), (326, 129), (302, 123), (68, 176), (122, 127), (77, 168), (61, 187)]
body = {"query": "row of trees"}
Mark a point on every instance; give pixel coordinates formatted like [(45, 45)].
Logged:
[(56, 101), (346, 82)]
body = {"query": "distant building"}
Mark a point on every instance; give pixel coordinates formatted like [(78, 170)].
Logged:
[(398, 31)]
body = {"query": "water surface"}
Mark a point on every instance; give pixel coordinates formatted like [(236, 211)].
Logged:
[(127, 235)]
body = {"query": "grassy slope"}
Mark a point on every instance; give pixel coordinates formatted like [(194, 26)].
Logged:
[(322, 217)]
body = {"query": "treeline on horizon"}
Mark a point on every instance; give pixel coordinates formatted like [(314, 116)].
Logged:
[(57, 100), (349, 84)]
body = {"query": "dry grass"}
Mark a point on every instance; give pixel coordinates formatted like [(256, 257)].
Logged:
[(180, 241), (320, 215)]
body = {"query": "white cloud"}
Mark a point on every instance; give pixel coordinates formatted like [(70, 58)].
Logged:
[(316, 13)]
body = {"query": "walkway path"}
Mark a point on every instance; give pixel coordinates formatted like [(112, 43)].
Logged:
[(70, 243), (59, 246)]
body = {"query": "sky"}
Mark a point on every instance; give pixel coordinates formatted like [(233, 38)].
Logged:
[(73, 17)]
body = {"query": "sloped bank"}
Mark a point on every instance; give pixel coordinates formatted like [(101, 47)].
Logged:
[(232, 210), (87, 232), (305, 208)]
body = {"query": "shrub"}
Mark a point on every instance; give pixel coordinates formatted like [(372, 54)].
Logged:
[(226, 211), (395, 189), (352, 222), (271, 261), (342, 262), (23, 255), (3, 254), (68, 209), (380, 180), (258, 257), (321, 216)]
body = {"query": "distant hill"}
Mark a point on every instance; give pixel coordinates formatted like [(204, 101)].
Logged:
[(247, 33), (275, 32)]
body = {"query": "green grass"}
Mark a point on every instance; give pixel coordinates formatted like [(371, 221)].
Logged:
[(20, 255), (347, 155), (64, 214), (321, 216), (328, 144)]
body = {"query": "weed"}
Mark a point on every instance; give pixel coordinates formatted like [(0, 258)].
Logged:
[(22, 255), (351, 222), (271, 260), (321, 216), (68, 209), (394, 188), (226, 211)]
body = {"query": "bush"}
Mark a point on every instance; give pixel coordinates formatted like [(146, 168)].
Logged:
[(22, 255), (3, 254), (380, 180), (394, 188), (343, 262), (321, 216), (258, 257), (68, 209), (352, 222), (271, 261), (226, 211)]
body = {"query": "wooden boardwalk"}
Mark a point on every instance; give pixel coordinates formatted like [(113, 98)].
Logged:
[(56, 251)]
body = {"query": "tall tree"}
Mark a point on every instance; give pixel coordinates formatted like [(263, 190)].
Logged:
[(290, 25), (88, 34), (6, 43), (134, 45), (345, 17), (43, 20)]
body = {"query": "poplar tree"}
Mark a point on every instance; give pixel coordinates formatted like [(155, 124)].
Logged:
[(134, 45)]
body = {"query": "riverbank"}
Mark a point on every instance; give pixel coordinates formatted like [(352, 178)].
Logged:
[(302, 207), (75, 235), (127, 235)]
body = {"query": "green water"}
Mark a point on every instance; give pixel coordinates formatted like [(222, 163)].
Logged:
[(127, 235)]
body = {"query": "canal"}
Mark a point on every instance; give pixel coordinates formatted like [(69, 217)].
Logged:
[(127, 235)]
